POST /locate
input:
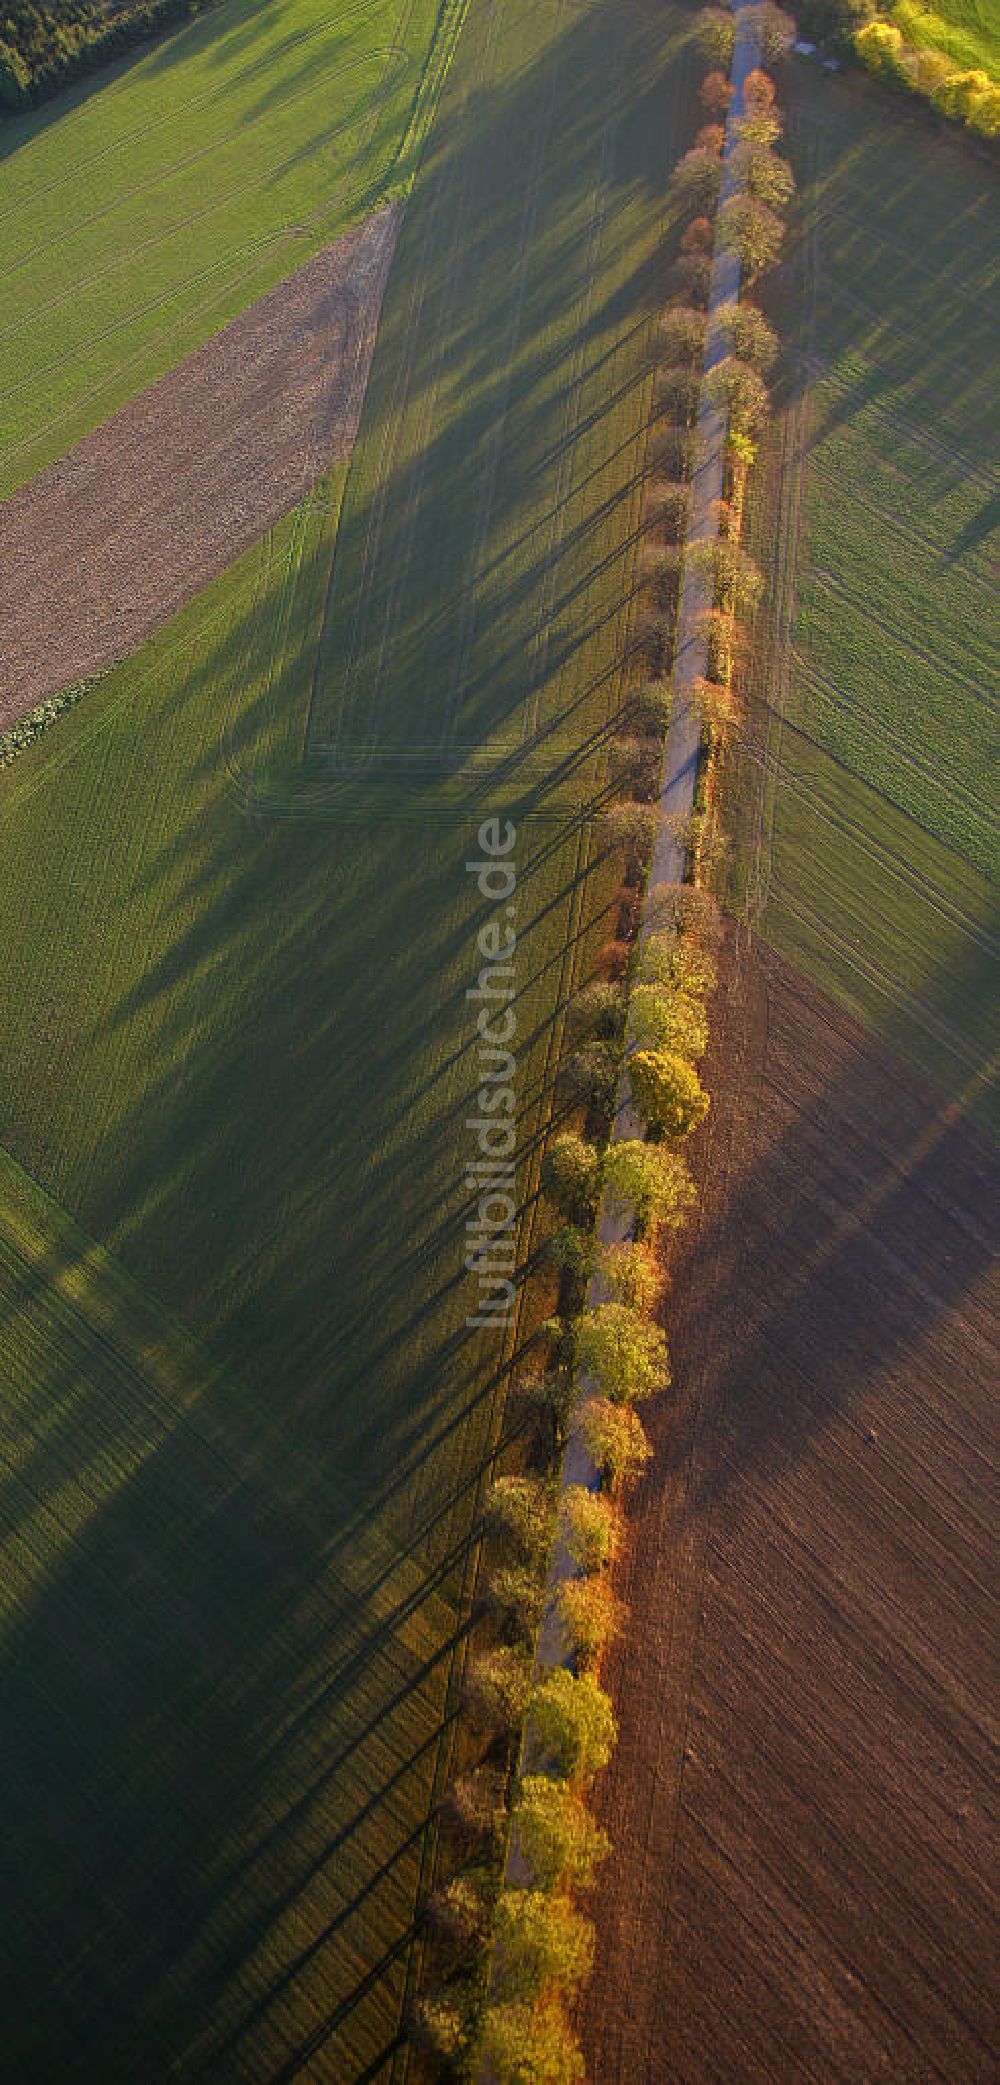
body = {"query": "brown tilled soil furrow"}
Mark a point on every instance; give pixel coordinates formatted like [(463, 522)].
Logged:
[(800, 1803), (109, 541)]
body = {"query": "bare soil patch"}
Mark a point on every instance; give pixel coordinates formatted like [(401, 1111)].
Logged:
[(800, 1802), (105, 544)]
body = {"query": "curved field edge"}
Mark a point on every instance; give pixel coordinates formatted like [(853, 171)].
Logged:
[(241, 1060), (144, 212)]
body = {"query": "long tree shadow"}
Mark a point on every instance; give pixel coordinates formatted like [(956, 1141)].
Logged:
[(231, 1679)]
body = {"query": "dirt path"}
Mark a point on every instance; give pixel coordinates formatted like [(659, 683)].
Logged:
[(102, 547), (800, 1802)]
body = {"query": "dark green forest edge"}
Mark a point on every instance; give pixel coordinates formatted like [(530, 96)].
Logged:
[(46, 44)]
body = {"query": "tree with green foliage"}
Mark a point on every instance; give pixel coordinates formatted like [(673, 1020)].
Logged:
[(573, 1721), (635, 764), (648, 707), (697, 178), (982, 113), (717, 707), (671, 450), (775, 28), (561, 1336), (746, 334), (498, 1688), (662, 566), (590, 1074), (623, 1352), (666, 1019), (880, 46), (723, 639), (588, 1524), (740, 450), (531, 2044), (677, 391), (970, 97), (569, 1174), (763, 130), (760, 172), (541, 1939), (751, 231), (514, 1515), (474, 1805), (571, 1252), (515, 1593), (692, 967), (651, 1179), (556, 1834), (667, 1092), (657, 955), (615, 1438), (631, 1274), (691, 275), (439, 2025), (739, 583), (682, 333), (736, 582), (597, 1009), (668, 502), (588, 1618), (550, 1399), (738, 390), (632, 828), (458, 1913), (716, 34)]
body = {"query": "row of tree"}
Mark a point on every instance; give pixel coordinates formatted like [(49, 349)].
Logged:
[(510, 1942), (966, 95)]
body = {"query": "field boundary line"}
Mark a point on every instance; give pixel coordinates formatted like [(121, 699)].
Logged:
[(898, 994), (893, 864)]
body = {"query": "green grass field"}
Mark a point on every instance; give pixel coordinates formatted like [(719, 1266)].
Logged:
[(138, 216), (245, 1425), (966, 30), (881, 741)]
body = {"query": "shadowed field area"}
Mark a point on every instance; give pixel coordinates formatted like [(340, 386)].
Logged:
[(245, 1425)]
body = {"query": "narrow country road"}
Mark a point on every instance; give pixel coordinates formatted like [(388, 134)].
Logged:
[(680, 767)]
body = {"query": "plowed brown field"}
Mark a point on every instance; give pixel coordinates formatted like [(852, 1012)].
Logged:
[(98, 550), (800, 1799)]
